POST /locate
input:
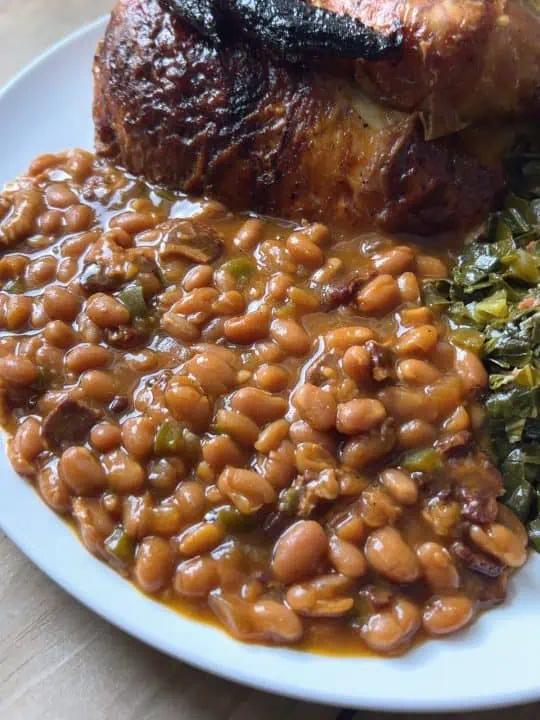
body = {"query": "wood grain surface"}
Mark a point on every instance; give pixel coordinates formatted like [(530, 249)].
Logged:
[(58, 661)]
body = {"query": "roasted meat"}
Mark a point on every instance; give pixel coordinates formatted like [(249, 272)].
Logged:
[(259, 132), (462, 60)]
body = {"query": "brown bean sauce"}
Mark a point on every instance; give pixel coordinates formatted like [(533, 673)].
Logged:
[(261, 425)]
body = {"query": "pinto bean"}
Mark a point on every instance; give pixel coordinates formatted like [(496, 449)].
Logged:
[(298, 551)]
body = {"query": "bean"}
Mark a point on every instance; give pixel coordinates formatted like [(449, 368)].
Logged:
[(229, 303), (357, 416), (238, 426), (304, 251), (248, 490), (27, 441), (260, 406), (86, 356), (438, 567), (357, 363), (325, 596), (59, 333), (264, 620), (409, 288), (133, 222), (105, 437), (79, 218), (400, 485), (347, 337), (394, 261), (416, 433), (221, 451), (214, 374), (248, 328), (416, 316), (361, 450), (379, 295), (302, 432), (106, 311), (298, 551), (421, 340), (125, 475), (191, 501), (471, 370), (197, 301), (98, 385), (446, 614), (290, 336), (417, 372), (270, 438), (153, 565), (188, 406), (18, 312), (430, 267), (94, 523), (406, 404), (82, 472), (389, 629), (346, 558), (389, 554), (196, 578), (201, 538), (18, 370), (198, 277), (351, 529), (316, 406), (279, 466), (58, 195), (54, 490), (138, 436), (249, 235), (500, 542), (40, 272), (180, 328), (271, 378), (458, 421), (166, 519)]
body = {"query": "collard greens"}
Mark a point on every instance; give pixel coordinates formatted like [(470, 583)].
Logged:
[(493, 300)]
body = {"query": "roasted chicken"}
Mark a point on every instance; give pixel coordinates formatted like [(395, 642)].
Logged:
[(264, 132)]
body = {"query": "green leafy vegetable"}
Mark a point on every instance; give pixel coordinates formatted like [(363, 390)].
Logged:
[(493, 301)]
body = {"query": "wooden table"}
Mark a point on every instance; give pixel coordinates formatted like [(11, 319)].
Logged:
[(58, 661)]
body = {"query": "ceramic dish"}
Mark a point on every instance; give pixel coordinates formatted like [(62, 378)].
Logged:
[(48, 108)]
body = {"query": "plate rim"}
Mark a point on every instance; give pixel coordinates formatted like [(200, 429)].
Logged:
[(199, 658)]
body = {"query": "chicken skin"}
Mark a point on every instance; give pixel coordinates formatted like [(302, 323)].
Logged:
[(462, 61)]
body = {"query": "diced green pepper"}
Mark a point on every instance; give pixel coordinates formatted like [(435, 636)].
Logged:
[(169, 439), (15, 287), (192, 446), (133, 299), (289, 501), (241, 269), (427, 460), (234, 521), (165, 194), (120, 546)]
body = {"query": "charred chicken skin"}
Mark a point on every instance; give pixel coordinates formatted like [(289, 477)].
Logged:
[(250, 127)]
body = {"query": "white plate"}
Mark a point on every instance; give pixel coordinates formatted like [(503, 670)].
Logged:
[(48, 108)]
